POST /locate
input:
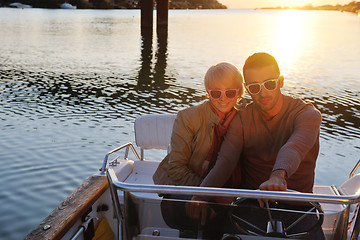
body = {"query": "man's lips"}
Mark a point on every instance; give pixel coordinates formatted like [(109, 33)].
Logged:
[(265, 100)]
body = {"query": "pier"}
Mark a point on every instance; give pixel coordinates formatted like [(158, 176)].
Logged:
[(162, 9)]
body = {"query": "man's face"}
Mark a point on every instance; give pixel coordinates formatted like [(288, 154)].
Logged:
[(266, 100)]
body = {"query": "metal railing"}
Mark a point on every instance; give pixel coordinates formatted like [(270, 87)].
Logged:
[(354, 169), (83, 227), (127, 146), (228, 192)]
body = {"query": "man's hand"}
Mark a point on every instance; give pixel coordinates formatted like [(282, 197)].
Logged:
[(197, 210), (276, 182)]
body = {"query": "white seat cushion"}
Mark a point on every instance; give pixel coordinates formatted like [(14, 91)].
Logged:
[(154, 131)]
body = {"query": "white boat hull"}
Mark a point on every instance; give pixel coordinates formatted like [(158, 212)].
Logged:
[(67, 6)]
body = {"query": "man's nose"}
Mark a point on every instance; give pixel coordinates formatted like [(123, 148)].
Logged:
[(262, 90)]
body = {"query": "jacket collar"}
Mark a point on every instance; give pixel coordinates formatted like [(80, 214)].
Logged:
[(213, 117)]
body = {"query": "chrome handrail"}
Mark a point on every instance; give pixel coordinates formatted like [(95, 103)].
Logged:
[(354, 169), (228, 192), (127, 146)]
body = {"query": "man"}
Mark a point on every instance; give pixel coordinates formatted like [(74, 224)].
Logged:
[(276, 136)]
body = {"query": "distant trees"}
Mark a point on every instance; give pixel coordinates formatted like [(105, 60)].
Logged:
[(50, 3), (111, 4), (350, 7), (196, 4)]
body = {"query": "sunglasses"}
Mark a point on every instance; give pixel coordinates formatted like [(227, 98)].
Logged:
[(229, 93), (255, 88)]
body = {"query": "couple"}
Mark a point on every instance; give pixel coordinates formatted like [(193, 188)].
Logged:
[(270, 144)]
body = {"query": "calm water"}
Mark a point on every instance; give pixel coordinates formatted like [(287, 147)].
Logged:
[(72, 83)]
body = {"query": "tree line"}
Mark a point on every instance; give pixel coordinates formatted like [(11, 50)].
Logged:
[(350, 7), (118, 4)]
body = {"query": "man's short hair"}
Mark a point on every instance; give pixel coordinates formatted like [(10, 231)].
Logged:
[(260, 60)]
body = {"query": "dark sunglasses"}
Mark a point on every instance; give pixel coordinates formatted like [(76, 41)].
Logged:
[(229, 93), (255, 88)]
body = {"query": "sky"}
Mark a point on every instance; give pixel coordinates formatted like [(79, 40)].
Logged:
[(276, 3)]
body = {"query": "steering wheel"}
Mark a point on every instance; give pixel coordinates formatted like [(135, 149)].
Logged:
[(275, 226)]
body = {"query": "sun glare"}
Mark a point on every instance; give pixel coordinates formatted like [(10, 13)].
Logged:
[(290, 34)]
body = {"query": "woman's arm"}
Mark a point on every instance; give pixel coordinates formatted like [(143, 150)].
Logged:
[(184, 131)]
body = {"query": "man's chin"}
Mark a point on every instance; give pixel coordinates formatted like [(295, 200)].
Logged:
[(264, 107)]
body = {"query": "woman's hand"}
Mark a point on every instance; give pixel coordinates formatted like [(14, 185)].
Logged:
[(197, 209)]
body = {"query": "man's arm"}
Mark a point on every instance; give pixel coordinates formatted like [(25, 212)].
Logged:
[(228, 156), (305, 135)]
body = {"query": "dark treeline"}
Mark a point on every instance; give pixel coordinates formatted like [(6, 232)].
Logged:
[(50, 3), (113, 4), (350, 7), (196, 4)]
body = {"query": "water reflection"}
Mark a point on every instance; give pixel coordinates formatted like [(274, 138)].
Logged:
[(290, 34), (148, 75), (145, 73), (45, 94), (161, 58), (71, 89)]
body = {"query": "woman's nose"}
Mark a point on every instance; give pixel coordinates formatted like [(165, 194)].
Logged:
[(223, 96)]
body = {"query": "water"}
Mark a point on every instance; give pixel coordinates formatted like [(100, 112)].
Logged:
[(72, 83)]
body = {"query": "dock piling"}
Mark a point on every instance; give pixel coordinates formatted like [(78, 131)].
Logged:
[(147, 13), (162, 9)]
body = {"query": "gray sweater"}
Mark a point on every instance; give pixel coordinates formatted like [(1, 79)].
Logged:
[(289, 141)]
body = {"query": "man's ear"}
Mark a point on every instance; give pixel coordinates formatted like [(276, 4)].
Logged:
[(281, 81)]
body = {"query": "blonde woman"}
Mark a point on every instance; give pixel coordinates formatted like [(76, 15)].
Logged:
[(196, 139)]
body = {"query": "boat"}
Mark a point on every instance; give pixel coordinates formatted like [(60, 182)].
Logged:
[(120, 201), (67, 6), (19, 5)]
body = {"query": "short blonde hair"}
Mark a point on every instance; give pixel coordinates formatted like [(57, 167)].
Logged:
[(224, 72)]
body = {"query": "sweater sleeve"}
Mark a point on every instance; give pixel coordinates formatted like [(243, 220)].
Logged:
[(228, 156), (181, 140), (305, 134)]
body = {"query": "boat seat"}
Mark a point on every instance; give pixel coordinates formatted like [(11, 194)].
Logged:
[(153, 131), (333, 212), (350, 187), (147, 204)]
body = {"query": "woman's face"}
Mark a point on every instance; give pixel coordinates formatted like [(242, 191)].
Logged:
[(223, 103)]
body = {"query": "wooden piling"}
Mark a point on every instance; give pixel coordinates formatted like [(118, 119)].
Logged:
[(147, 13), (162, 9)]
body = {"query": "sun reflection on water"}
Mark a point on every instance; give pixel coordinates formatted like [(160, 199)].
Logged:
[(290, 35)]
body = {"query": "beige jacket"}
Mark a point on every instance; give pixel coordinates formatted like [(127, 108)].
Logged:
[(191, 139)]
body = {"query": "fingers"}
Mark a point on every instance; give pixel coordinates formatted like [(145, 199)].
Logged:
[(273, 187), (262, 202), (224, 200), (204, 210), (212, 213), (199, 210), (193, 209)]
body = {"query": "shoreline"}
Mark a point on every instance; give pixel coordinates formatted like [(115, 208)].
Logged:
[(353, 7)]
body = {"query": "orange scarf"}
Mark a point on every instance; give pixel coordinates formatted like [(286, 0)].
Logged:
[(219, 132)]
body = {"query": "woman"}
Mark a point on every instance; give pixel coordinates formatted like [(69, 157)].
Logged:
[(196, 138)]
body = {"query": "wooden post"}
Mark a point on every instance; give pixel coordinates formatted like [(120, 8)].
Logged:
[(147, 13), (162, 12)]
